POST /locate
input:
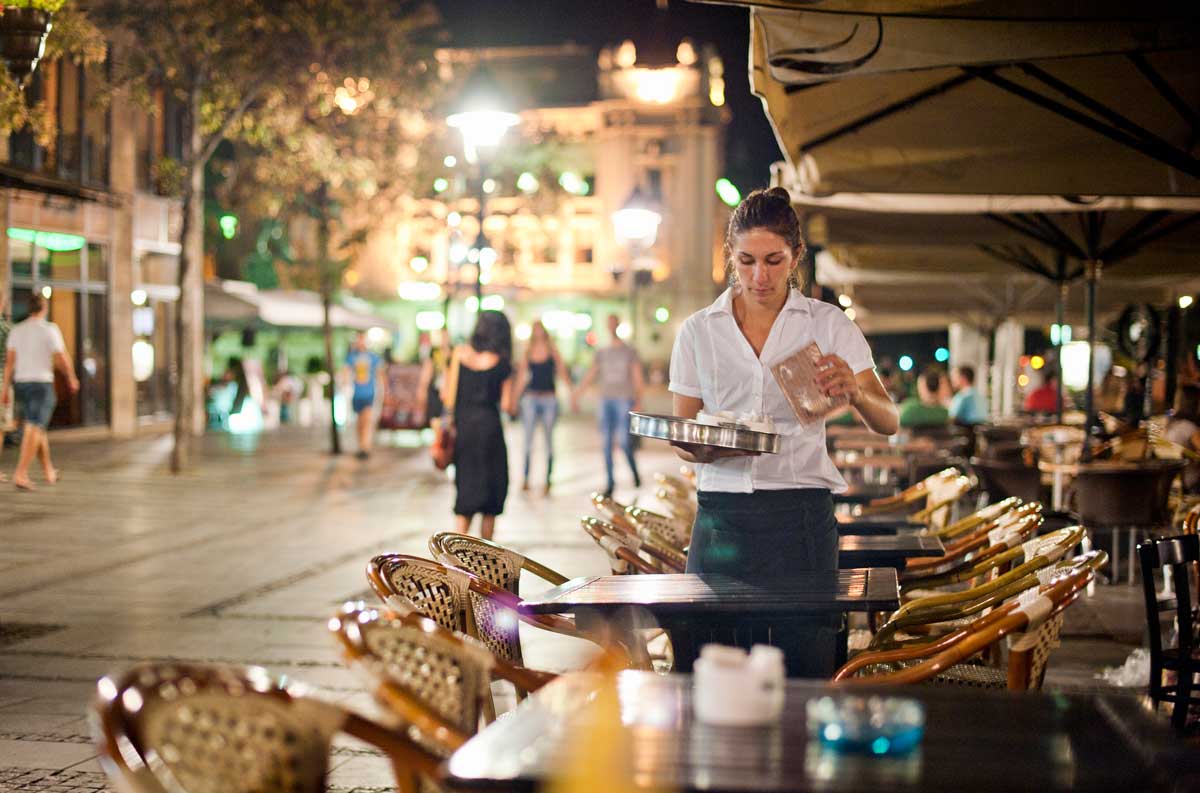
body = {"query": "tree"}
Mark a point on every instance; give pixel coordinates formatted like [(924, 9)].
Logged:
[(72, 35), (329, 159), (222, 59)]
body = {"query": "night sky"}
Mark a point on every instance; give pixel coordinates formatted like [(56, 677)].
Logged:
[(750, 145)]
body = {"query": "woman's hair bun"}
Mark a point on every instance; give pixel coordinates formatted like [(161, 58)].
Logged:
[(781, 193)]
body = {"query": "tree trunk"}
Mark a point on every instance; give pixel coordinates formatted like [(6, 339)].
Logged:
[(325, 271), (185, 374)]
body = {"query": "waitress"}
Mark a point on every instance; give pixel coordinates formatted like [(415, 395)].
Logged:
[(764, 517)]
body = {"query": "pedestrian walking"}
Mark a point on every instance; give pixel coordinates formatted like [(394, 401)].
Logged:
[(366, 371), (7, 423), (539, 401), (619, 373), (483, 388), (34, 349)]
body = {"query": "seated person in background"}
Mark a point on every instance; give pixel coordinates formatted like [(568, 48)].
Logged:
[(925, 409), (1044, 398), (968, 405), (1184, 429)]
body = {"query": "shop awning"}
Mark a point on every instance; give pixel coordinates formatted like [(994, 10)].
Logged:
[(240, 303)]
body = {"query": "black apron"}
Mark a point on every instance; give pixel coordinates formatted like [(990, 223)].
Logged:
[(765, 535)]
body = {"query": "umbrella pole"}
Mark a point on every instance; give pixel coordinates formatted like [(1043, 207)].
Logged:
[(1059, 318), (1093, 276)]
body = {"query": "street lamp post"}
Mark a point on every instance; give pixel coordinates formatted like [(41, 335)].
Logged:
[(635, 226), (481, 119)]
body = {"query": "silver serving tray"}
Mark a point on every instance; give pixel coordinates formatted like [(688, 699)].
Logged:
[(726, 436)]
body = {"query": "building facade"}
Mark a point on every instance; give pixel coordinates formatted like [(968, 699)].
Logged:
[(86, 226), (592, 129)]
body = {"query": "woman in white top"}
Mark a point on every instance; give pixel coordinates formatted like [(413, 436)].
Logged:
[(770, 516)]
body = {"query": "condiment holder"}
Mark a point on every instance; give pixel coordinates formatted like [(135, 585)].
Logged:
[(734, 688)]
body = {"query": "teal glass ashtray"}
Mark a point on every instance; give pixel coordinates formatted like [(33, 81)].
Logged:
[(866, 725)]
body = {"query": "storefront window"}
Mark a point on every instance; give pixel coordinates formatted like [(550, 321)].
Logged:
[(57, 266)]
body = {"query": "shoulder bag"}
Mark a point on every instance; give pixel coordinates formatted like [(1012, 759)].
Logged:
[(444, 434)]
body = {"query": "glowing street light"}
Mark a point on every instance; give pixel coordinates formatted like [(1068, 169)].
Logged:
[(635, 226)]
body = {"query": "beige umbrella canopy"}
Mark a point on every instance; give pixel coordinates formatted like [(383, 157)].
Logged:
[(1052, 98)]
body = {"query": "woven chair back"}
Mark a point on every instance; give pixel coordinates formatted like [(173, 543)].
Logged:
[(491, 562)]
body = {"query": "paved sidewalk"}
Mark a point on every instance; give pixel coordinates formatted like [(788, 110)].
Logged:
[(243, 559)]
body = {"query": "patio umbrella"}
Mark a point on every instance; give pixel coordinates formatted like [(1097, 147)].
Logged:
[(1054, 100)]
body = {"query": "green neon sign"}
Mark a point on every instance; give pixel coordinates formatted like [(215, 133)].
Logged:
[(50, 240)]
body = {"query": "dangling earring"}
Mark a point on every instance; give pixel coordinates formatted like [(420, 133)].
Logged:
[(731, 278)]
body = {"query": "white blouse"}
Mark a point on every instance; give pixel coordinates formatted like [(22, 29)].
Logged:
[(714, 362)]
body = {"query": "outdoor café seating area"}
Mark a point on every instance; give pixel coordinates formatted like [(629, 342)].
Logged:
[(950, 600)]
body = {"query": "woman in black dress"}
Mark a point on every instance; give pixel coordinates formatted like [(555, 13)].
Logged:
[(485, 387)]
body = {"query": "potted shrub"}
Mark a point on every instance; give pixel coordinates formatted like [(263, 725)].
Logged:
[(24, 25)]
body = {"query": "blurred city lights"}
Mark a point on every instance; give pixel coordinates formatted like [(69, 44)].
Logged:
[(527, 182), (573, 183), (472, 304), (419, 290), (851, 314), (489, 186), (377, 335), (493, 303), (487, 257), (458, 252), (229, 226), (905, 363), (47, 292), (143, 360), (430, 320), (624, 331), (482, 129), (581, 321), (845, 301), (1023, 380), (1037, 362), (941, 355), (658, 86), (1060, 334), (591, 338), (1185, 301), (716, 91), (727, 192), (661, 314), (418, 264), (449, 161), (441, 184), (139, 297), (453, 219), (523, 331)]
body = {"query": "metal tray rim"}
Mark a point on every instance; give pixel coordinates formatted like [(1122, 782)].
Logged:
[(673, 428)]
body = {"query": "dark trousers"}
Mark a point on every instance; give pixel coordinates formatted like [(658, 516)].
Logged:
[(771, 535)]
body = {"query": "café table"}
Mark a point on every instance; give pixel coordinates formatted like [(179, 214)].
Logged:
[(698, 609), (863, 494), (874, 524), (975, 740), (886, 550)]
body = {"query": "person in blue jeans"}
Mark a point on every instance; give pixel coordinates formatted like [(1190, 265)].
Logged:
[(539, 404), (365, 372), (619, 373)]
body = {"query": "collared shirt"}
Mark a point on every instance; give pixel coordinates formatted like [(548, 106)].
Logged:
[(714, 362), (968, 406)]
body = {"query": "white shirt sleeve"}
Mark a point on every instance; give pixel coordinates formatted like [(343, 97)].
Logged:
[(685, 374), (56, 339), (851, 344)]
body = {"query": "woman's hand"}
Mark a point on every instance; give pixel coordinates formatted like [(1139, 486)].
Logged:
[(836, 379), (700, 453)]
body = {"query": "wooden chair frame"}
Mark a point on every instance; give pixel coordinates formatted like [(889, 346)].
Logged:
[(1180, 555), (626, 551), (966, 642), (124, 700), (379, 574), (905, 499), (442, 546), (989, 514), (971, 550), (350, 627)]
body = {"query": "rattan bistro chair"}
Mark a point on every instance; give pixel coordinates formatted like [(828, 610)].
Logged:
[(458, 601), (489, 560), (906, 500), (672, 532), (628, 553), (438, 682), (1034, 621), (175, 728), (972, 555)]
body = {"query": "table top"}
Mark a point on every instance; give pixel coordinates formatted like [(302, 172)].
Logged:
[(892, 546), (824, 592), (863, 494), (982, 741)]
